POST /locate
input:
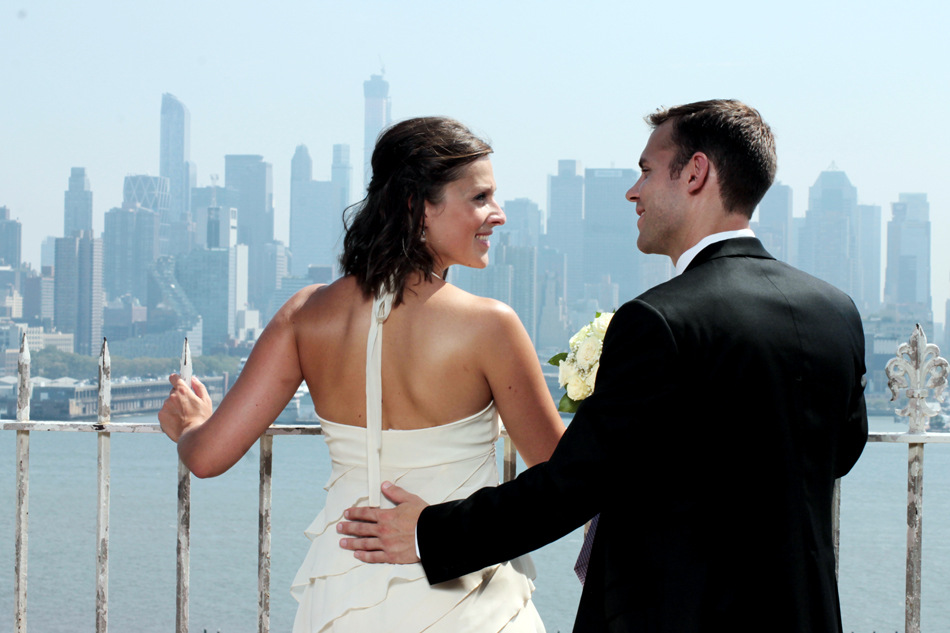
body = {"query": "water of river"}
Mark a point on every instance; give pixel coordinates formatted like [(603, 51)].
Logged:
[(224, 537)]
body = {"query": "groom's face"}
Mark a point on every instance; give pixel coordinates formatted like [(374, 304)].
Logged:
[(660, 204)]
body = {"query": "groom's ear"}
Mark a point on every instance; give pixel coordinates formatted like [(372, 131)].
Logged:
[(698, 172)]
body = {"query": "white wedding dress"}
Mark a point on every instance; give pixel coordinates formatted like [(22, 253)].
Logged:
[(338, 593)]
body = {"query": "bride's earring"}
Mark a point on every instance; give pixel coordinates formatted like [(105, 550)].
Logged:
[(423, 238)]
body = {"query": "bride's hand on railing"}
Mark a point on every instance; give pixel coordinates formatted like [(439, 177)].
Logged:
[(185, 407)]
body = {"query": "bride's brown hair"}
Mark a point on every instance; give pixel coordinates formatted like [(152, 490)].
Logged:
[(413, 160)]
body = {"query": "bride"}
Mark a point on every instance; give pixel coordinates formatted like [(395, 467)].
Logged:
[(419, 407)]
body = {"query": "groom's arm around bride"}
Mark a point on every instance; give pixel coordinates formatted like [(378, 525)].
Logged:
[(727, 402)]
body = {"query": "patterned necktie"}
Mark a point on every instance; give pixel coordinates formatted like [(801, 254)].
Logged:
[(583, 559)]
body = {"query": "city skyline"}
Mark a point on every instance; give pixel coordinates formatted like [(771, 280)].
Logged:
[(839, 100)]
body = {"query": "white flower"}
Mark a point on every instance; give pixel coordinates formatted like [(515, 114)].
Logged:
[(588, 352), (592, 376), (565, 370), (583, 333), (577, 389), (599, 326)]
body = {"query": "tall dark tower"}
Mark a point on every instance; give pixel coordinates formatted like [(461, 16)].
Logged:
[(175, 165), (378, 116), (78, 208)]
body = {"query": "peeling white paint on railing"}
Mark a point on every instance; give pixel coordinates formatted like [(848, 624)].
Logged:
[(923, 369), (183, 548), (911, 375), (263, 535), (103, 490), (22, 489), (836, 522)]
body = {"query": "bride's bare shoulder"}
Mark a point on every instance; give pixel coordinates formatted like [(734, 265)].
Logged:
[(477, 312), (323, 300)]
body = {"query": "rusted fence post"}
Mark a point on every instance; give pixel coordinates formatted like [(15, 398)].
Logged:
[(22, 488), (921, 371), (263, 535), (510, 460), (184, 519), (836, 521), (103, 490)]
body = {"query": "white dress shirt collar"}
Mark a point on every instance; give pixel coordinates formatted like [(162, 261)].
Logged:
[(691, 253)]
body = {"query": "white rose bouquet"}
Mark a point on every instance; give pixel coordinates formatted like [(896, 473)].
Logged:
[(577, 369)]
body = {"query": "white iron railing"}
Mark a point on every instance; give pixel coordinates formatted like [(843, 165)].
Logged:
[(922, 370)]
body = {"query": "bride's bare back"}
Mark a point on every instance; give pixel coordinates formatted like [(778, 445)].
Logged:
[(433, 360)]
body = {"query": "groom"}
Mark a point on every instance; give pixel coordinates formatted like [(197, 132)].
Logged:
[(727, 402)]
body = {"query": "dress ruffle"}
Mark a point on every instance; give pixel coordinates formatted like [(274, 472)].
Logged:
[(338, 593)]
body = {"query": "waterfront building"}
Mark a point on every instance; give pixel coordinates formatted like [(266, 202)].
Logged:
[(774, 221), (77, 290), (223, 198), (907, 278), (10, 239), (48, 252), (130, 243), (610, 233), (215, 280), (565, 222), (78, 204), (252, 178), (523, 222), (869, 250), (122, 318), (827, 247), (174, 164), (377, 116), (316, 210)]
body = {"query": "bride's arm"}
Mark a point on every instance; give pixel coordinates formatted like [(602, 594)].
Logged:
[(517, 384), (211, 445)]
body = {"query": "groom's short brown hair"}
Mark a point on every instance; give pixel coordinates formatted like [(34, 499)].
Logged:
[(734, 138)]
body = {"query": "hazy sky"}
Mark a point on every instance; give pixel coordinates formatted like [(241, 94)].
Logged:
[(863, 84)]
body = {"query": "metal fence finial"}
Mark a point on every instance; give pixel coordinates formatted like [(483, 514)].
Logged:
[(923, 369)]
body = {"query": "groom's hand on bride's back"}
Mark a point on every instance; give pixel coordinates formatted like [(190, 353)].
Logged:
[(384, 536)]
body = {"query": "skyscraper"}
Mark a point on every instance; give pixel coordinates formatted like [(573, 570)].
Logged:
[(10, 239), (523, 222), (775, 221), (78, 207), (565, 222), (828, 244), (869, 253), (77, 291), (377, 117), (610, 235), (253, 179), (175, 165), (214, 280), (907, 279), (149, 192), (226, 200), (316, 210), (130, 243)]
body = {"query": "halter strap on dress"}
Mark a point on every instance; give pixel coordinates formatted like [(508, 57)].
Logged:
[(382, 306)]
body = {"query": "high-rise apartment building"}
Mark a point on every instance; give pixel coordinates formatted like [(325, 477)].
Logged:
[(828, 245), (523, 222), (174, 164), (775, 221), (215, 280), (130, 244), (907, 278), (78, 206), (10, 239), (377, 117), (316, 210), (869, 255), (227, 200), (565, 222), (253, 179), (77, 291), (610, 233)]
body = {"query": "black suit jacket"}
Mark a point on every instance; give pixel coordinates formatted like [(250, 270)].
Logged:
[(727, 402)]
